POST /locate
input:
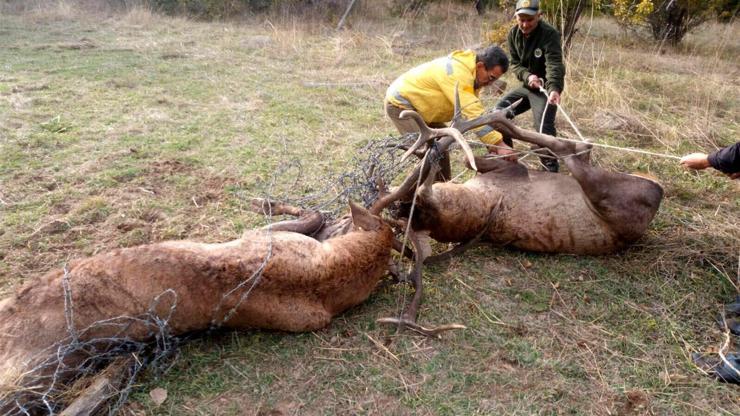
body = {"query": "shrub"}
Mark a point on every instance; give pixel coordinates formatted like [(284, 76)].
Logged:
[(632, 12), (669, 20), (210, 9), (564, 14), (495, 33)]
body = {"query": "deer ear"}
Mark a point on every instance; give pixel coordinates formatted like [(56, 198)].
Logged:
[(363, 219)]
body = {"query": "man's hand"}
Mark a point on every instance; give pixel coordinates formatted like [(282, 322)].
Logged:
[(695, 161), (505, 151), (554, 98), (735, 175), (534, 82)]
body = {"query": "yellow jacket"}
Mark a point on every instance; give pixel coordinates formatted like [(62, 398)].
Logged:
[(429, 89)]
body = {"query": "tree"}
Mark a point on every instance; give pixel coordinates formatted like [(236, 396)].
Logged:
[(670, 20), (565, 14), (673, 19)]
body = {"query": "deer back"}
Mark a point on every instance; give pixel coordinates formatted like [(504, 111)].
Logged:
[(277, 280)]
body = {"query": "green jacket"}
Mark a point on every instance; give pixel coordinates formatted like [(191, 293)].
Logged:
[(539, 54)]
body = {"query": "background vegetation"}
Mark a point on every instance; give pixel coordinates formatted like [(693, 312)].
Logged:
[(120, 126)]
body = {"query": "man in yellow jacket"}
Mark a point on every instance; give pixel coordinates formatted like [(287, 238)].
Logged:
[(429, 89)]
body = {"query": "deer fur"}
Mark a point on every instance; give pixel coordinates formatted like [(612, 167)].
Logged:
[(592, 211), (303, 283)]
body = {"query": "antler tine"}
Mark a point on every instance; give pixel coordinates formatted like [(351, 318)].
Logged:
[(518, 133), (425, 133), (455, 134), (560, 147), (487, 118)]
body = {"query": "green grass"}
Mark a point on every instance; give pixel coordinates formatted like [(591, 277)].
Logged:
[(164, 127)]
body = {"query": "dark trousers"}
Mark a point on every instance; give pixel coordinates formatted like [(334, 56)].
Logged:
[(536, 101)]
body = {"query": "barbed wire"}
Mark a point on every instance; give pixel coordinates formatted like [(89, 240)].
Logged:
[(43, 388), (378, 160)]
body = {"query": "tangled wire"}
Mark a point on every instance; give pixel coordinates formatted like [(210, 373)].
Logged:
[(63, 368), (376, 162)]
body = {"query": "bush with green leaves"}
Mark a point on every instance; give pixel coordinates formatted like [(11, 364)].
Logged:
[(669, 20)]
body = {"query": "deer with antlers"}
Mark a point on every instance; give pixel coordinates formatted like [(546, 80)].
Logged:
[(590, 212)]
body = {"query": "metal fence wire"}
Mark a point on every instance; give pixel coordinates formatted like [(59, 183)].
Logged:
[(45, 387)]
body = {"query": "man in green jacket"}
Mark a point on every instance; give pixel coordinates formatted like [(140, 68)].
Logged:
[(537, 61)]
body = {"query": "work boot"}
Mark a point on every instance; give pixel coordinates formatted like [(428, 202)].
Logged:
[(550, 164), (715, 366), (730, 319)]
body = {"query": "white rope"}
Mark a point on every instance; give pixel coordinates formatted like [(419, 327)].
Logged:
[(625, 149), (560, 108), (586, 141), (406, 232), (544, 112)]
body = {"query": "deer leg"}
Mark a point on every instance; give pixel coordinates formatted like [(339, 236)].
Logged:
[(558, 147), (265, 206), (493, 163), (307, 223)]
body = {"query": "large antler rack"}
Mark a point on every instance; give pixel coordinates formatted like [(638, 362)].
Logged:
[(446, 137), (500, 122), (443, 137), (427, 135)]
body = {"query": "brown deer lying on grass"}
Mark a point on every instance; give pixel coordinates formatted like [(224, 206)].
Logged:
[(590, 212), (275, 277)]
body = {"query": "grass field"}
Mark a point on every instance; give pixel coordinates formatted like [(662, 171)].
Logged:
[(134, 128)]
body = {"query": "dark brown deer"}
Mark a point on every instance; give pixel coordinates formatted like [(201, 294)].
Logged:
[(591, 212), (275, 277)]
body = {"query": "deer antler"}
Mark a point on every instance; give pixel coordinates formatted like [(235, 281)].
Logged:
[(557, 146), (447, 136), (498, 119), (427, 134)]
